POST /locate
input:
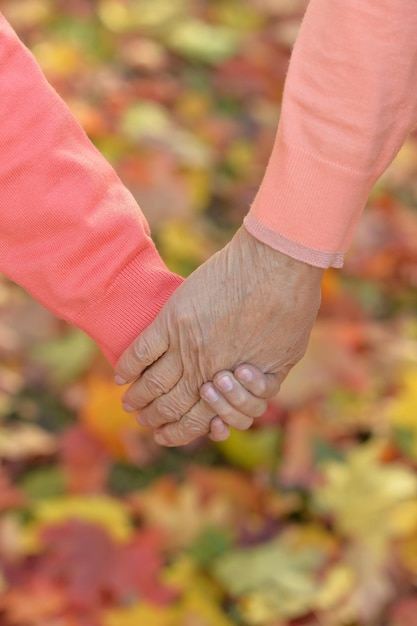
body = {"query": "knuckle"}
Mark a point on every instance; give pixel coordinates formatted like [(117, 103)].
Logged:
[(137, 397), (166, 437), (140, 349), (174, 435), (150, 417), (167, 409), (192, 427), (128, 364), (153, 386), (191, 382)]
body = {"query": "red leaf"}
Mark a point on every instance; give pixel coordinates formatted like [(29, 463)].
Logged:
[(404, 612), (85, 461), (139, 565), (10, 496), (93, 569), (81, 557)]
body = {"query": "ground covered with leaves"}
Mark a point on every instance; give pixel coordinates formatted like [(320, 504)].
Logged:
[(310, 518)]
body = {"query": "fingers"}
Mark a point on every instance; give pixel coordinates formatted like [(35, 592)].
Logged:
[(259, 384), (194, 424), (226, 411), (242, 396), (219, 431), (151, 344), (236, 404), (171, 406), (157, 380)]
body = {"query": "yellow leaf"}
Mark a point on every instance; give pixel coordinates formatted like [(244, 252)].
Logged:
[(252, 449), (195, 609), (184, 569), (198, 184), (198, 608), (408, 552), (200, 601), (140, 614), (273, 580), (240, 157), (180, 510), (198, 605), (58, 58), (101, 510), (114, 15), (183, 246), (146, 15), (403, 519), (337, 584), (27, 13), (239, 16), (361, 494)]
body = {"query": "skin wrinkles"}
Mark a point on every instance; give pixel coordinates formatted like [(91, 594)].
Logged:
[(266, 322)]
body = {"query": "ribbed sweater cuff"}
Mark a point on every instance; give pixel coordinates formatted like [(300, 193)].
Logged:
[(307, 207), (131, 303)]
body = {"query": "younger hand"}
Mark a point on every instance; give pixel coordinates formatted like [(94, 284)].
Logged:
[(238, 397)]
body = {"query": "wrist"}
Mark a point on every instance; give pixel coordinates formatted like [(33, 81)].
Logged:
[(273, 259)]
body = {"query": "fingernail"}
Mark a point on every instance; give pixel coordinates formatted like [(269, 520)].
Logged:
[(225, 383), (245, 375), (210, 394), (128, 408), (119, 380)]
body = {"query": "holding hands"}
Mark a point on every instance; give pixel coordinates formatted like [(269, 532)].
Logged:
[(247, 304)]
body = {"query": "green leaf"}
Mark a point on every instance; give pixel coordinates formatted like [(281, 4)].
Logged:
[(212, 543), (45, 482), (273, 580), (254, 449), (203, 42), (66, 357)]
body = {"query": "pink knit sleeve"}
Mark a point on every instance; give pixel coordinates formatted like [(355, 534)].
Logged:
[(70, 233), (349, 102)]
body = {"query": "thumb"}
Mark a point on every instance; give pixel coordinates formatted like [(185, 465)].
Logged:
[(152, 343)]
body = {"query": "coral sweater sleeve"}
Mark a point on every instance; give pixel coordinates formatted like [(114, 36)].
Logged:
[(350, 100), (70, 232)]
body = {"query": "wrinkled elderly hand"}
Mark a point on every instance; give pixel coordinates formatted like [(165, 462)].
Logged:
[(247, 304)]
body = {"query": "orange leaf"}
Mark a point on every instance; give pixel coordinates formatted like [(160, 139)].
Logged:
[(116, 430)]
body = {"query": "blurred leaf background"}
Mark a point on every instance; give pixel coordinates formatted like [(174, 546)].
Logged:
[(310, 518)]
